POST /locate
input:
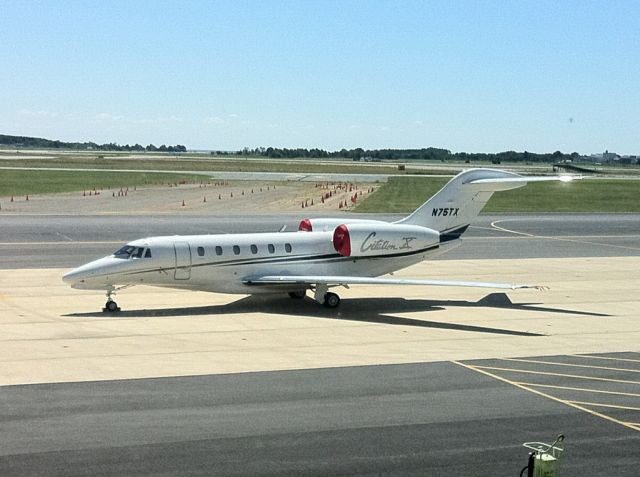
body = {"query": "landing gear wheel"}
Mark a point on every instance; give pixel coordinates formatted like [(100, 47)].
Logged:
[(331, 300), (298, 294), (111, 307)]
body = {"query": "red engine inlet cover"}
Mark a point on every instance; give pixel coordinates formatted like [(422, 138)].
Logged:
[(342, 241), (305, 226)]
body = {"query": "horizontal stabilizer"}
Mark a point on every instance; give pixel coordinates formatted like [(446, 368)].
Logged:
[(523, 179)]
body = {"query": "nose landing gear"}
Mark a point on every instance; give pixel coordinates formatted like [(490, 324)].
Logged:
[(111, 306)]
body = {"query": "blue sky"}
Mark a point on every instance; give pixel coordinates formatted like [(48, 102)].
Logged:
[(480, 76)]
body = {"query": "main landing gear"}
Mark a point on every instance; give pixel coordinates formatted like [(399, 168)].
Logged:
[(111, 306), (331, 300), (322, 295)]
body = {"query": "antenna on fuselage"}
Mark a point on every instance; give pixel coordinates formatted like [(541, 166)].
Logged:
[(282, 229)]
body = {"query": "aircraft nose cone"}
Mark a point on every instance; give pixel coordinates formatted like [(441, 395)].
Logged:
[(72, 277), (87, 272)]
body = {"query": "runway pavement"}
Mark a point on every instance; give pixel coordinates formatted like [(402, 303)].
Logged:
[(46, 241), (399, 381)]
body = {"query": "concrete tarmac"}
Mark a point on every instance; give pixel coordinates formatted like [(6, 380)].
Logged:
[(52, 333), (398, 381)]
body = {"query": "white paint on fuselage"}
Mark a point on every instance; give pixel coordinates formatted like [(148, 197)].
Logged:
[(200, 267)]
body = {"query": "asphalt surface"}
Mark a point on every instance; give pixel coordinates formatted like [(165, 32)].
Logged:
[(45, 241), (417, 419), (465, 419)]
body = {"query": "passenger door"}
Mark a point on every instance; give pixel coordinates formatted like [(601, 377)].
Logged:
[(183, 261)]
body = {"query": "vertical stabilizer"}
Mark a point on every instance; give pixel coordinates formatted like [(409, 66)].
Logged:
[(453, 208)]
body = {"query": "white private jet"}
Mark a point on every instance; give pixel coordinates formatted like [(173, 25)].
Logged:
[(323, 253)]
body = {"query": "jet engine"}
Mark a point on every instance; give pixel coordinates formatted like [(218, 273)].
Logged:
[(327, 225), (371, 239)]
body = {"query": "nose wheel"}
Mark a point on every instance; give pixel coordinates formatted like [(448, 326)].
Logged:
[(111, 306)]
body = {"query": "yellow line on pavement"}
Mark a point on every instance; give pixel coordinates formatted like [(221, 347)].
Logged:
[(548, 396), (560, 239), (495, 368), (502, 229), (582, 403), (586, 356), (568, 388), (569, 364)]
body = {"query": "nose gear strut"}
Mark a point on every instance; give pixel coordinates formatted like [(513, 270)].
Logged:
[(111, 306)]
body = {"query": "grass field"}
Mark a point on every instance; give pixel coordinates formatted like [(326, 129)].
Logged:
[(404, 194), (400, 194), (231, 165), (16, 182)]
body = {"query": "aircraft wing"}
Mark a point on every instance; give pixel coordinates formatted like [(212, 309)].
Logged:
[(339, 280)]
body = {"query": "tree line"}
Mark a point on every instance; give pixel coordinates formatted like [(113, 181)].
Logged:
[(24, 141), (357, 154), (429, 153)]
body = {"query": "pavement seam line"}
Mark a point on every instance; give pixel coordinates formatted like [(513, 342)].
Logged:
[(548, 396)]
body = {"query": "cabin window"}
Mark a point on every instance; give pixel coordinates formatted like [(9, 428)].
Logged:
[(201, 251), (147, 254), (271, 248), (254, 249), (287, 247), (218, 250), (236, 249)]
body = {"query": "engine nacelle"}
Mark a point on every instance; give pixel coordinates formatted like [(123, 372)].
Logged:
[(366, 240), (327, 225)]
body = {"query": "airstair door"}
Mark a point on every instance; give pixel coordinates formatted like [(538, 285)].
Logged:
[(183, 261)]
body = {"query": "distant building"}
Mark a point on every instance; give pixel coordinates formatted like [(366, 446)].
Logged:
[(629, 160), (605, 157)]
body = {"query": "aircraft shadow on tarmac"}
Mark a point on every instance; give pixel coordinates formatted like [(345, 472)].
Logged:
[(368, 310)]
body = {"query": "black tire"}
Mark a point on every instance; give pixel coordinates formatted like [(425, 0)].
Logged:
[(111, 306), (298, 294), (331, 300)]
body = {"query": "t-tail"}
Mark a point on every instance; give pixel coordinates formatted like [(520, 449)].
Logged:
[(458, 203)]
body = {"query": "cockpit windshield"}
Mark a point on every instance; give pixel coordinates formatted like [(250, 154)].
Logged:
[(129, 251)]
